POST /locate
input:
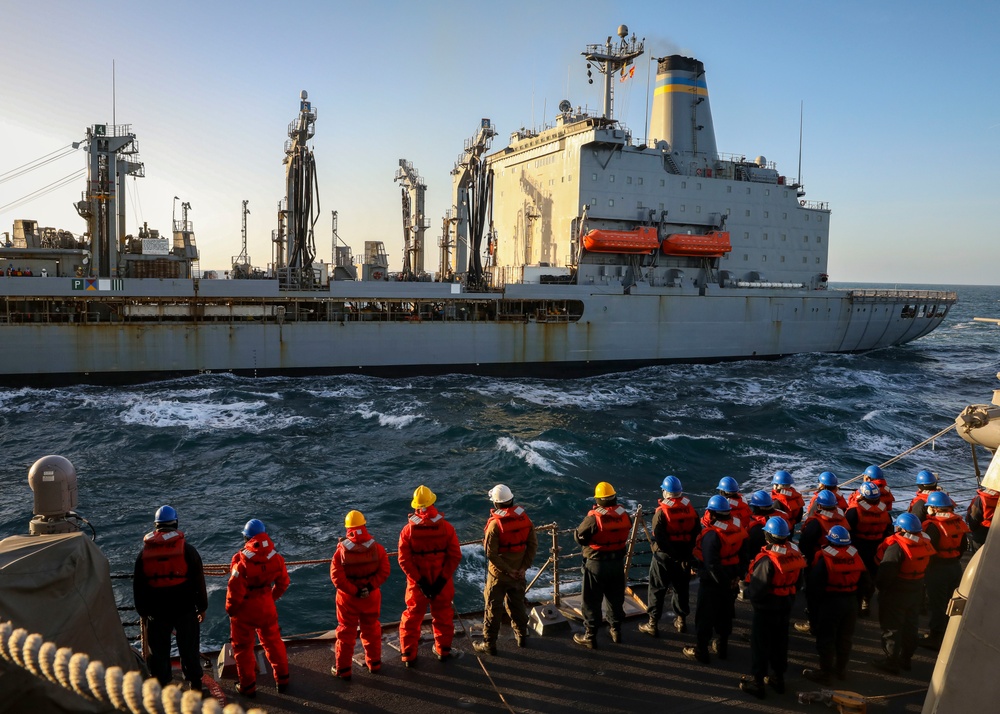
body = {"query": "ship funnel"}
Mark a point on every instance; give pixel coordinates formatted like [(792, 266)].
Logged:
[(681, 112)]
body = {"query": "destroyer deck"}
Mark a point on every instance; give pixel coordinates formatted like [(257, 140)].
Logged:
[(554, 675)]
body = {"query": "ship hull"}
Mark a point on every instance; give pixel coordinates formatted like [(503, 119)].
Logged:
[(612, 332)]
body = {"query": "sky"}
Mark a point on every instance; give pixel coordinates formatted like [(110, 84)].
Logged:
[(901, 113)]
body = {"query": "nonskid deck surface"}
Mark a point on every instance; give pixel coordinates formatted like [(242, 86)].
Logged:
[(554, 675)]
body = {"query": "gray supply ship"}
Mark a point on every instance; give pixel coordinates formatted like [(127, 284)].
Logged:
[(573, 250)]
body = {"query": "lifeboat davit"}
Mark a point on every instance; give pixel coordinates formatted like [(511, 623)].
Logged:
[(644, 239), (710, 245)]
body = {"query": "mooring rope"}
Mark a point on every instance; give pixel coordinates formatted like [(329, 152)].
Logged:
[(125, 691)]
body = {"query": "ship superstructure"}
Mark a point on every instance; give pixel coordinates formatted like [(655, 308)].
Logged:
[(572, 250)]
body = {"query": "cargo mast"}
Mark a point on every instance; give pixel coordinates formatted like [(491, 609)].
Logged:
[(414, 222)]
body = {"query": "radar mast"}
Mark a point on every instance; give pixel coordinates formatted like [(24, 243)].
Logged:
[(610, 58)]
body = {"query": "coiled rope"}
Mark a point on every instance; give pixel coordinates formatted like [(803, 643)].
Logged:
[(123, 691)]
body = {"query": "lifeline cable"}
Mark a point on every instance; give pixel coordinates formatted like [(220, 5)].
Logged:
[(461, 621)]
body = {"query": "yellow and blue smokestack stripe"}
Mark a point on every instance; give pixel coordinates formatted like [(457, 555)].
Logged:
[(671, 83)]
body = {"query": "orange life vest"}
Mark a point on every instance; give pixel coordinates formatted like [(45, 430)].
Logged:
[(613, 526), (952, 528), (731, 537), (429, 536), (921, 497), (989, 499), (740, 509), (680, 516), (872, 520), (513, 526), (788, 563), (360, 559), (827, 520), (918, 551), (884, 493), (261, 565), (792, 501), (163, 561), (843, 568)]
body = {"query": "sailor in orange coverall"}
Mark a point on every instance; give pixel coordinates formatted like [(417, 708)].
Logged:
[(358, 569), (429, 554), (257, 578)]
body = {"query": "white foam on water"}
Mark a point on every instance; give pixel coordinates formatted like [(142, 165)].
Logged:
[(692, 437), (591, 397), (349, 392), (871, 415), (528, 455), (254, 417), (393, 421), (472, 568)]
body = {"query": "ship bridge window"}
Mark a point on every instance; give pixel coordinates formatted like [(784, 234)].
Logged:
[(638, 204), (784, 237), (747, 213), (593, 202), (594, 176), (683, 208), (807, 216), (746, 257), (628, 180), (763, 259), (684, 184), (805, 259), (782, 259), (746, 235), (611, 178), (611, 201), (819, 239), (819, 219), (805, 239), (662, 182), (766, 214), (765, 236), (817, 260), (784, 216), (640, 180), (767, 192), (748, 190)]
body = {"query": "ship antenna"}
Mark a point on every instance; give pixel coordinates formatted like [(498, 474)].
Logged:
[(801, 103), (114, 99)]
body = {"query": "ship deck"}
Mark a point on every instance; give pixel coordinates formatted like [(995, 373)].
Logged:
[(553, 675)]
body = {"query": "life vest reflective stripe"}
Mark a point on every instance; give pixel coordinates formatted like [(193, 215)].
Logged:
[(952, 528), (163, 561), (361, 560), (740, 509), (873, 518), (513, 526), (917, 549), (989, 499), (792, 501), (731, 537), (613, 526), (843, 568), (884, 493), (680, 517)]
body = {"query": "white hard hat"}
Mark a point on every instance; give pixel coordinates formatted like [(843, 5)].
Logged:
[(500, 494)]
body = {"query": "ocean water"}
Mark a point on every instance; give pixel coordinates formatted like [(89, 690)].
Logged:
[(299, 453)]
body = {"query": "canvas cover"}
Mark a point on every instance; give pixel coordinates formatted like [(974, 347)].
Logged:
[(60, 587)]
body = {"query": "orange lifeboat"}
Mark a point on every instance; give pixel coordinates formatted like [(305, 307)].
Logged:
[(710, 245), (644, 239)]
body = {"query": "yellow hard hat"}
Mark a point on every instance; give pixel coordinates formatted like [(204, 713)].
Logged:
[(423, 497), (355, 519), (604, 490)]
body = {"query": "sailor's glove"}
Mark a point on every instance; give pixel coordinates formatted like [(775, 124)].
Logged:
[(436, 587), (425, 587), (364, 591)]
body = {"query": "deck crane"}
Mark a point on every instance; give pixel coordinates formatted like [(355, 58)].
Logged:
[(414, 223), (473, 202)]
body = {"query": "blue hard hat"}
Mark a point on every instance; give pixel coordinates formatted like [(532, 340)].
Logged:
[(719, 504), (761, 499), (253, 527), (828, 478), (870, 491), (908, 522), (839, 535), (777, 526), (873, 472), (925, 478), (165, 514), (728, 484), (782, 478), (672, 484), (826, 499), (939, 499)]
